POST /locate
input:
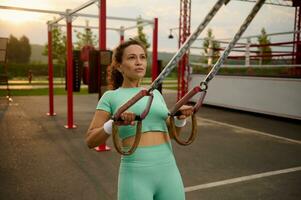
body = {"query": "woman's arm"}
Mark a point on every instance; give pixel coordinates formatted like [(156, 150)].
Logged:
[(96, 134), (186, 111)]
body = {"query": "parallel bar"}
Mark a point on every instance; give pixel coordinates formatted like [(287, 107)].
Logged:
[(85, 5), (71, 12), (272, 3), (91, 27), (32, 10), (74, 14), (114, 18), (132, 27)]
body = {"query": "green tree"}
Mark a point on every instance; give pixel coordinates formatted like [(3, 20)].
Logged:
[(141, 35), (215, 46), (58, 46), (25, 49), (264, 51), (18, 51), (12, 49), (87, 38)]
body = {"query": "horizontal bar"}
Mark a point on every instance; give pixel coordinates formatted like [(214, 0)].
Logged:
[(271, 3), (91, 27), (85, 5), (255, 36), (113, 18), (132, 27), (32, 10), (74, 14)]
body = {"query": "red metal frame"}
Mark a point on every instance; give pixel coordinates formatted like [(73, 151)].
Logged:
[(121, 34), (184, 32), (50, 73), (297, 46), (69, 75), (155, 71), (102, 25), (102, 46)]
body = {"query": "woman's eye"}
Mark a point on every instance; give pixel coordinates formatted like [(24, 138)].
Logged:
[(143, 57)]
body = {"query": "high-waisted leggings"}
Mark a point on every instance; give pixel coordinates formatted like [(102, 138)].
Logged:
[(150, 173)]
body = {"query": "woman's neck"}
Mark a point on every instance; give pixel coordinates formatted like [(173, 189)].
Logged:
[(130, 84)]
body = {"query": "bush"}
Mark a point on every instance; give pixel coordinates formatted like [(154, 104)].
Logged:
[(21, 70)]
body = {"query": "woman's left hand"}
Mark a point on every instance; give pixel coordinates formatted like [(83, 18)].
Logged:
[(186, 111)]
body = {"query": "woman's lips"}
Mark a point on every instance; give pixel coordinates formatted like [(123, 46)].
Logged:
[(139, 70)]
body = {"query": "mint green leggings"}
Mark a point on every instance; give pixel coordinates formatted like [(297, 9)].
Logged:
[(150, 173)]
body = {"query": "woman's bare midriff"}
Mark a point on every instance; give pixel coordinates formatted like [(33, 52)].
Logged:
[(148, 139)]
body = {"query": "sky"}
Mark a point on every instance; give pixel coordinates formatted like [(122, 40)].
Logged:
[(224, 25)]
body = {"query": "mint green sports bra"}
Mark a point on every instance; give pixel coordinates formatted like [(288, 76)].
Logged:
[(154, 121)]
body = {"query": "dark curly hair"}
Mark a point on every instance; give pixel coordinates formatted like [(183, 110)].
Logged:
[(115, 78)]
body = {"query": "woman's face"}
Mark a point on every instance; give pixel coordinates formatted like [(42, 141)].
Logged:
[(134, 61)]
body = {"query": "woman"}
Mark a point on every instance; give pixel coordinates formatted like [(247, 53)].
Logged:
[(151, 171)]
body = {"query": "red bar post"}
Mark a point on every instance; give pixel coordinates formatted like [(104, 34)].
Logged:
[(102, 25), (102, 46), (50, 72), (121, 34), (69, 74), (155, 51)]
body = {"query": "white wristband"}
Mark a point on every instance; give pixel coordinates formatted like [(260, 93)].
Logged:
[(179, 122), (107, 127)]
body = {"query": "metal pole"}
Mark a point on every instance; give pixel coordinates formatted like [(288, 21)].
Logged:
[(73, 11), (247, 53), (83, 6), (90, 27), (102, 25), (75, 14), (102, 46), (155, 51), (180, 63), (31, 10), (121, 34), (69, 73), (50, 72), (113, 18)]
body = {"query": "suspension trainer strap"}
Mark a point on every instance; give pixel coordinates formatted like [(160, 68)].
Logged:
[(183, 49), (204, 84), (237, 36)]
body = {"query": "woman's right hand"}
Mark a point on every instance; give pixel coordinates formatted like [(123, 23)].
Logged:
[(128, 118)]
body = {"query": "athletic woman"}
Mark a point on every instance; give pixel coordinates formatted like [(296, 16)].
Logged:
[(150, 173)]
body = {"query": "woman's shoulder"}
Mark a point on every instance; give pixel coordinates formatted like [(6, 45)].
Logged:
[(157, 92), (108, 94)]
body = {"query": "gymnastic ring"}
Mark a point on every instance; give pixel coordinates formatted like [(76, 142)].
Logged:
[(193, 133), (116, 139)]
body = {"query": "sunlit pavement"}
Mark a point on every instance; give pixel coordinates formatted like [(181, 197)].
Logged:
[(236, 155)]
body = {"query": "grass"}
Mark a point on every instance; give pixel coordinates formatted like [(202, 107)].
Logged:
[(57, 91), (41, 92), (169, 83)]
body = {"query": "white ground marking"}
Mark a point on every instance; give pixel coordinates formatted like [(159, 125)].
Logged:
[(199, 120), (241, 179)]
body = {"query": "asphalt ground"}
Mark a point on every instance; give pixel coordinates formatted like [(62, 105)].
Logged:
[(237, 155)]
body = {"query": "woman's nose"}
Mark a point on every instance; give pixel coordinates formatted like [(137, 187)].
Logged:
[(138, 61)]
